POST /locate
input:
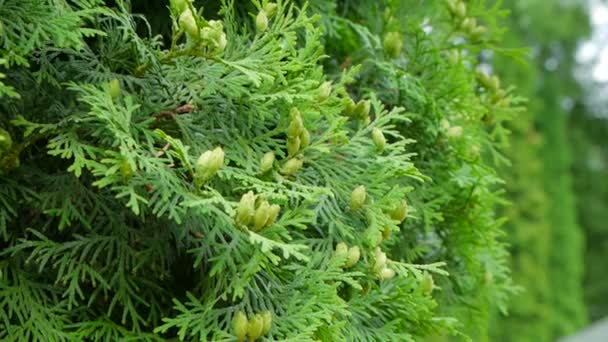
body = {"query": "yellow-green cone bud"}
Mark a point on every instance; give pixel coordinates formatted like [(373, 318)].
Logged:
[(216, 25), (378, 138), (427, 284), (324, 91), (293, 146), (207, 33), (354, 253), (399, 213), (273, 214), (357, 197), (478, 32), (126, 170), (296, 125), (178, 6), (213, 35), (187, 22), (494, 83), (217, 159), (452, 5), (381, 259), (267, 162), (445, 124), (341, 250), (270, 9), (499, 95), (393, 44), (222, 42), (261, 21), (362, 109), (387, 273), (208, 164), (386, 234), (506, 102), (295, 128), (461, 10), (256, 326), (292, 166), (453, 56), (294, 112), (484, 79), (372, 236), (240, 326), (246, 209), (261, 216), (114, 89), (304, 138), (454, 132), (469, 24), (5, 140), (350, 107), (267, 318)]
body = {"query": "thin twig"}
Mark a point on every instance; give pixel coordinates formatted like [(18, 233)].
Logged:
[(171, 114), (163, 151)]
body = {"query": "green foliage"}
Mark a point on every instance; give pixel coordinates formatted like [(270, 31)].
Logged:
[(588, 135), (136, 185), (29, 26), (546, 251), (529, 226), (457, 125)]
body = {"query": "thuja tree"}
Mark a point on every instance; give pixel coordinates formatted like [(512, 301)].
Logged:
[(248, 170), (588, 129), (589, 152), (426, 59), (547, 252), (528, 227)]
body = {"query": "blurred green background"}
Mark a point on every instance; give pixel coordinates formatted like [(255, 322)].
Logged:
[(558, 182)]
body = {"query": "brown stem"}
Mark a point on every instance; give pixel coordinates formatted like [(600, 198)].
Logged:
[(172, 113)]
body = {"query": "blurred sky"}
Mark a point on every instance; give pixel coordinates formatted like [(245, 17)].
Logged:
[(594, 52), (592, 57)]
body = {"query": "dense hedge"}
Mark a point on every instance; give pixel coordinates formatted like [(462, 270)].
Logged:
[(457, 128), (528, 227), (588, 135), (546, 239), (281, 171)]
